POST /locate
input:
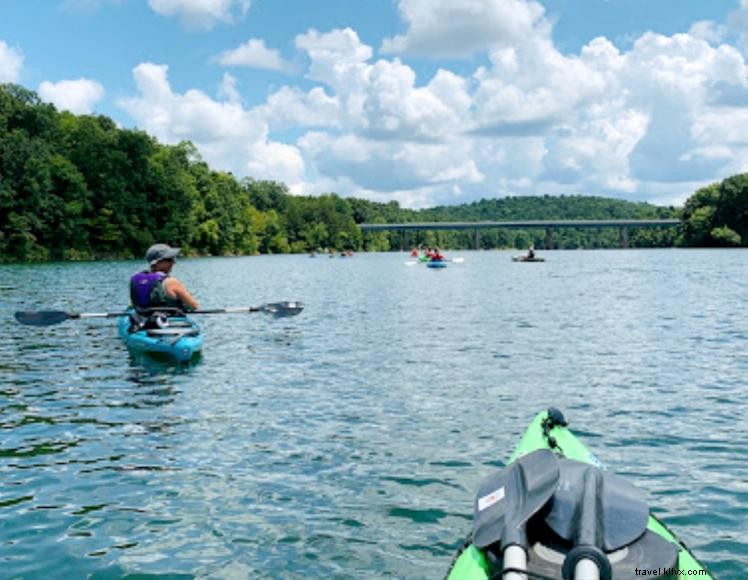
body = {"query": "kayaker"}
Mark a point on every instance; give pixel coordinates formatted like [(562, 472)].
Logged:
[(437, 256), (156, 286), (531, 252)]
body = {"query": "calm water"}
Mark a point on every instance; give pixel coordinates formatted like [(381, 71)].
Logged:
[(350, 440)]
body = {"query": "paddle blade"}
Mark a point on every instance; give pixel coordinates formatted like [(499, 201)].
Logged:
[(42, 317), (620, 510), (283, 309), (507, 499)]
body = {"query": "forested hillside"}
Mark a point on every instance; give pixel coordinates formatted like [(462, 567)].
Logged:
[(79, 187)]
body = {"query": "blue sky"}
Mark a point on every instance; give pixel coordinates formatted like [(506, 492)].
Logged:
[(422, 101)]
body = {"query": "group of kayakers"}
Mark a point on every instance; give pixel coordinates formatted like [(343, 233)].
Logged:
[(156, 287), (429, 254)]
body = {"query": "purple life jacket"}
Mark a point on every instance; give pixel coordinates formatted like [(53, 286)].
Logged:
[(146, 289)]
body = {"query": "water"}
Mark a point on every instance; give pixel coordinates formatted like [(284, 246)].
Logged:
[(350, 440)]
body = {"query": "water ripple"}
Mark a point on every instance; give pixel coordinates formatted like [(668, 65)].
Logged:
[(350, 440)]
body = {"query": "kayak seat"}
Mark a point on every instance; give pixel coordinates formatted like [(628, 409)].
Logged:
[(157, 318), (546, 555), (590, 508)]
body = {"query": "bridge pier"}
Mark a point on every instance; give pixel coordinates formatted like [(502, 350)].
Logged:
[(477, 239), (548, 238), (624, 237)]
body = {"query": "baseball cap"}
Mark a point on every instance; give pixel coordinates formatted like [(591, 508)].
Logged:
[(158, 252)]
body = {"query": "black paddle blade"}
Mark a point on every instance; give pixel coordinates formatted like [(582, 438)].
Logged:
[(617, 510), (42, 317), (282, 309), (507, 499)]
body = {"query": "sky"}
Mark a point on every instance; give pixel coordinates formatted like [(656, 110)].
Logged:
[(426, 102)]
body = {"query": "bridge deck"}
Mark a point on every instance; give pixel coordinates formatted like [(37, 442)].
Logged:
[(622, 223)]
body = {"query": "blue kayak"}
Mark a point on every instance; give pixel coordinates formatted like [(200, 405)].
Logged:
[(180, 339), (437, 264)]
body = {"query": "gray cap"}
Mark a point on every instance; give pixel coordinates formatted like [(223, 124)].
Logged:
[(158, 252)]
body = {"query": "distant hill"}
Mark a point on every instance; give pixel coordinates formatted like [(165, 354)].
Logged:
[(544, 207)]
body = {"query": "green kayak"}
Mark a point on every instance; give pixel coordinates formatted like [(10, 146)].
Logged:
[(554, 512)]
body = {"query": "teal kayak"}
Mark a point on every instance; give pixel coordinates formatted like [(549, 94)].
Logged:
[(436, 264), (180, 339), (556, 508)]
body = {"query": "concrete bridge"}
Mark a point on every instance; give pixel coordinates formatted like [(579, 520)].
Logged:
[(623, 226)]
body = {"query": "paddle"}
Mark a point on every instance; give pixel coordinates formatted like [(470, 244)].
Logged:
[(51, 317), (599, 512), (506, 501)]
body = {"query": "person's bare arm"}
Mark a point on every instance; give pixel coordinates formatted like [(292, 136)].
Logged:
[(175, 289)]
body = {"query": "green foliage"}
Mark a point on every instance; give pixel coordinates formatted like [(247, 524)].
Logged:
[(717, 215), (79, 187)]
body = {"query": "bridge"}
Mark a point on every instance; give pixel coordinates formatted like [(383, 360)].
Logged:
[(623, 226)]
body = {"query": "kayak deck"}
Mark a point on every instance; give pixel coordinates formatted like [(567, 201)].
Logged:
[(526, 259), (181, 340), (472, 563)]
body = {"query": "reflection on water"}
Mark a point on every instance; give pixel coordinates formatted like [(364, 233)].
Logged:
[(351, 439)]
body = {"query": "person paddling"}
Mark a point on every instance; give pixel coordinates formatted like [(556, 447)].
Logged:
[(531, 252), (437, 256), (156, 287)]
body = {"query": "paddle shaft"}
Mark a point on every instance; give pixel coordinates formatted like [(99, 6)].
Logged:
[(515, 557), (51, 317), (241, 309)]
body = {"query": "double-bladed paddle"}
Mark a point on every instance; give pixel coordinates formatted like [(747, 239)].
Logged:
[(508, 499), (51, 317)]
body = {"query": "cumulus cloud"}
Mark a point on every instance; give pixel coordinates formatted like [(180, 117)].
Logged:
[(290, 107), (253, 54), (77, 96), (459, 29), (228, 136), (201, 14), (11, 61), (737, 23), (652, 121), (228, 90)]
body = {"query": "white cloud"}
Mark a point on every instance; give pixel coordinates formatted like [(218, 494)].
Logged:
[(737, 23), (290, 107), (458, 29), (201, 14), (227, 89), (77, 96), (11, 61), (253, 54), (647, 122), (708, 30), (228, 136)]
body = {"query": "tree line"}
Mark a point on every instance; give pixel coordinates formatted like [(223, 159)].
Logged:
[(76, 187)]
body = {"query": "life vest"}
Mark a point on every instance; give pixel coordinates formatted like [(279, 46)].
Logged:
[(147, 291)]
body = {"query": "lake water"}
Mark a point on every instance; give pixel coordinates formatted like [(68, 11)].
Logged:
[(349, 441)]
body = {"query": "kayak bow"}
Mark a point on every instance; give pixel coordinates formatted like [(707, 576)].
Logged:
[(596, 525)]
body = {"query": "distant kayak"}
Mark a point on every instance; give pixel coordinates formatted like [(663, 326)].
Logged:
[(436, 264), (574, 519), (180, 340), (527, 259)]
